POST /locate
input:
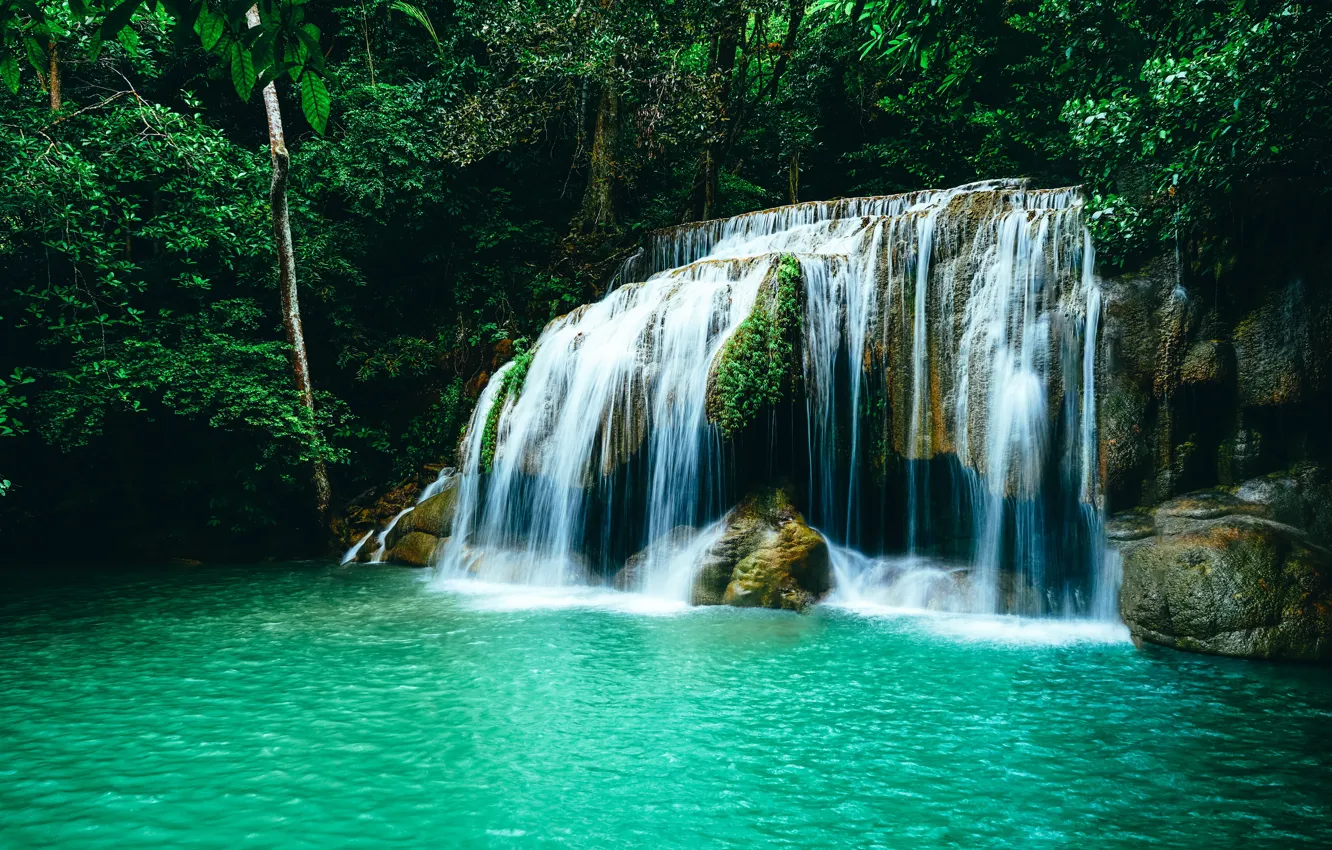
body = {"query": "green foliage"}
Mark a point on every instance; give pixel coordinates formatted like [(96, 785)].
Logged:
[(434, 433), (279, 43), (511, 386), (432, 206), (756, 366), (1176, 116), (490, 434), (515, 377), (1220, 115)]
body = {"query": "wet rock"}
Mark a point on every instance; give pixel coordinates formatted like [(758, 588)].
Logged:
[(1208, 362), (414, 549), (1300, 496), (434, 516), (1124, 447), (1220, 574), (1178, 515), (1130, 525), (1271, 344), (789, 572), (366, 554), (374, 509), (766, 556)]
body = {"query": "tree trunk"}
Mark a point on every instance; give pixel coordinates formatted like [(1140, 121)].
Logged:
[(598, 208), (709, 188), (793, 178), (795, 14), (53, 74), (291, 308)]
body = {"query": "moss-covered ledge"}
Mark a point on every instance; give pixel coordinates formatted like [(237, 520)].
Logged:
[(511, 384), (758, 364)]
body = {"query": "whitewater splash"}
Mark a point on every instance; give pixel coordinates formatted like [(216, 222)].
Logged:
[(946, 402)]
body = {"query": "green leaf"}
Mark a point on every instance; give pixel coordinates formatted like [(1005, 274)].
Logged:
[(119, 18), (315, 102), (242, 71), (36, 54), (9, 72), (209, 26), (310, 41), (129, 40)]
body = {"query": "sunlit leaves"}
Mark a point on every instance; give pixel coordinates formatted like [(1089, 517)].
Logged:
[(282, 45)]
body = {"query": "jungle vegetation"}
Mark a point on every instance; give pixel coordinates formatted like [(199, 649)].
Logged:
[(455, 173)]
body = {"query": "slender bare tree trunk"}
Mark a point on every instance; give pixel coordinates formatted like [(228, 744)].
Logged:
[(721, 63), (291, 308), (598, 208), (53, 74), (793, 178)]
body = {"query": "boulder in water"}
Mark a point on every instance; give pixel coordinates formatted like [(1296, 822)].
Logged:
[(1220, 574), (766, 557), (415, 549), (431, 518)]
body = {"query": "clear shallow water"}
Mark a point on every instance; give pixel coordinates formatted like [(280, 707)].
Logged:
[(309, 706)]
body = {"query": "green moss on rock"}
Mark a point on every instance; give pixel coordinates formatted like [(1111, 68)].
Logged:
[(511, 384), (765, 557), (755, 368)]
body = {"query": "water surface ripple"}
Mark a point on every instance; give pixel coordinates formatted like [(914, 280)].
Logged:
[(309, 706)]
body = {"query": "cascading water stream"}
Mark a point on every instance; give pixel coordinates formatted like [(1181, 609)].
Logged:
[(969, 317)]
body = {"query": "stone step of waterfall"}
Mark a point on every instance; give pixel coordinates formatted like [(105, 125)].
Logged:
[(683, 244)]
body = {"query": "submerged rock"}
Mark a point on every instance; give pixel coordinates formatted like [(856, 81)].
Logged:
[(766, 557), (1221, 573)]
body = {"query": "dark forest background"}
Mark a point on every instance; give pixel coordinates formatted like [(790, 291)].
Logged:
[(462, 172)]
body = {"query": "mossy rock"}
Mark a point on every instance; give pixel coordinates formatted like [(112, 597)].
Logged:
[(1233, 584), (1208, 362), (758, 365), (434, 516), (1136, 524), (790, 572), (766, 556), (415, 549)]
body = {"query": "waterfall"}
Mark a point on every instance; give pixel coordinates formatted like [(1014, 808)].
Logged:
[(948, 355)]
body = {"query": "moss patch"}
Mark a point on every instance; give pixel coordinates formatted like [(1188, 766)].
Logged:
[(510, 385), (756, 365)]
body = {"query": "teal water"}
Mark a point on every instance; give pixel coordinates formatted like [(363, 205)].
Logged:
[(311, 706)]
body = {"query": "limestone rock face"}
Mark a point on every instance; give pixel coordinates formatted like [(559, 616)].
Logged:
[(1273, 348), (1220, 573), (1208, 362), (766, 557)]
